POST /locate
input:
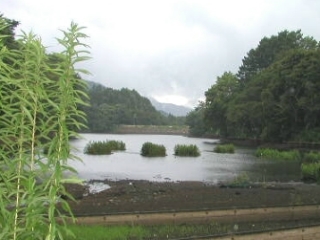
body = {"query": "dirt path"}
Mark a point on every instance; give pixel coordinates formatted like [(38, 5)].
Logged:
[(308, 233), (277, 214)]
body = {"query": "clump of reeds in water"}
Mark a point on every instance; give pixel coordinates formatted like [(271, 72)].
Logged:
[(153, 150), (224, 148), (186, 150), (104, 147)]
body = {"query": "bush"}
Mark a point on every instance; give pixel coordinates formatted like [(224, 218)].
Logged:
[(311, 157), (186, 150), (311, 135), (224, 148), (240, 181), (310, 172), (153, 150), (103, 147), (274, 154)]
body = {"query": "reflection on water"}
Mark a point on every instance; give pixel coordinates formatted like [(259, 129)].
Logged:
[(209, 167)]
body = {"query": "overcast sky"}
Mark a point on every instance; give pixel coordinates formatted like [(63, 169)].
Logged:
[(172, 50)]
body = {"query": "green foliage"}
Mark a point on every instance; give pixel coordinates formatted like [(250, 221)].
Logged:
[(310, 167), (108, 233), (172, 231), (97, 148), (195, 121), (308, 135), (103, 147), (36, 112), (310, 171), (117, 145), (240, 181), (186, 150), (274, 97), (224, 148), (110, 108), (216, 104), (311, 157), (7, 29), (274, 154), (153, 150), (270, 50)]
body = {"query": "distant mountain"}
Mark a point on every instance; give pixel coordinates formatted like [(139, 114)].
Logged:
[(169, 108)]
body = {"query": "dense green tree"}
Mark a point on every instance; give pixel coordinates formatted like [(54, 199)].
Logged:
[(291, 100), (216, 104), (271, 49), (7, 28), (274, 96), (281, 102), (195, 121)]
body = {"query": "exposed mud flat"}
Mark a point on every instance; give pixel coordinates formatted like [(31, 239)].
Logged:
[(128, 196)]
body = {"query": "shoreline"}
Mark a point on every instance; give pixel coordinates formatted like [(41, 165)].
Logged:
[(127, 196)]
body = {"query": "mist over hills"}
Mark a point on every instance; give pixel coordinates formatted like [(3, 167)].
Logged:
[(169, 108)]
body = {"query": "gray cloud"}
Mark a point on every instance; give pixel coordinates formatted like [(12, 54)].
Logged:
[(166, 47)]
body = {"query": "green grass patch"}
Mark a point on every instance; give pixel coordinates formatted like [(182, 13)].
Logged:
[(153, 150), (310, 172), (274, 154), (240, 181), (186, 150), (96, 232), (104, 147), (83, 232), (224, 148)]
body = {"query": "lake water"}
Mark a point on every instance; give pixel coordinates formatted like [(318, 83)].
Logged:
[(209, 167)]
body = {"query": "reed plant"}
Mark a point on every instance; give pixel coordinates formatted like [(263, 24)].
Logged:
[(186, 150), (39, 104), (224, 148), (149, 149), (274, 154), (117, 145), (97, 148), (103, 147)]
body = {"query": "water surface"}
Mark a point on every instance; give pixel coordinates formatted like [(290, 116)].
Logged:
[(209, 167)]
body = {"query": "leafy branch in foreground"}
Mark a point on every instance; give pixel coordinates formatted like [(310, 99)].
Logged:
[(38, 110)]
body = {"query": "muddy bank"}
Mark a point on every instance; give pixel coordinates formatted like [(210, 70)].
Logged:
[(144, 196), (152, 129)]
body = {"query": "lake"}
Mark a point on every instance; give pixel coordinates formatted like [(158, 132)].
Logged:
[(209, 167)]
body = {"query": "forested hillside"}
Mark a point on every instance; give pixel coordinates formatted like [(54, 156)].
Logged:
[(110, 108), (274, 97)]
